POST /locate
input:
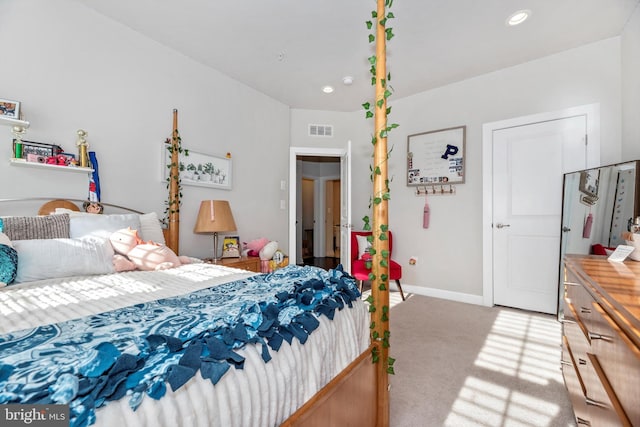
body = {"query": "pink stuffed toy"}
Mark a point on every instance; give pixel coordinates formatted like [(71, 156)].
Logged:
[(253, 247), (132, 253)]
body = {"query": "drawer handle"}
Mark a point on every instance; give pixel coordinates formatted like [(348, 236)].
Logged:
[(594, 336), (582, 361), (564, 362), (590, 401), (583, 422), (585, 310)]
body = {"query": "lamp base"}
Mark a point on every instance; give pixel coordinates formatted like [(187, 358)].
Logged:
[(215, 258)]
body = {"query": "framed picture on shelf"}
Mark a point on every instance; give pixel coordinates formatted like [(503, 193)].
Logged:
[(9, 109), (202, 170), (231, 247)]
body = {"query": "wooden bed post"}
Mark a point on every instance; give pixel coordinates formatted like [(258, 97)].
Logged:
[(380, 284), (173, 228)]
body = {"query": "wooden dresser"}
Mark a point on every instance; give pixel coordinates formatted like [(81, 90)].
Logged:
[(244, 263), (601, 340)]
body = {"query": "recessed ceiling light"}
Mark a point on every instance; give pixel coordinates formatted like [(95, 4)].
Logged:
[(347, 80), (327, 89), (518, 17)]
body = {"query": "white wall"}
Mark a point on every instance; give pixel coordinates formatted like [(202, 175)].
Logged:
[(73, 68), (631, 88), (450, 252)]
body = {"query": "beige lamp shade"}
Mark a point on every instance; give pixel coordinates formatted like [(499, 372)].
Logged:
[(214, 216)]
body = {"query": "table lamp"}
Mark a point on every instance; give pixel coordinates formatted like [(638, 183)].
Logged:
[(214, 217)]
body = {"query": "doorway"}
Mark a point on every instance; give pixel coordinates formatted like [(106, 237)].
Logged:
[(323, 240), (523, 162)]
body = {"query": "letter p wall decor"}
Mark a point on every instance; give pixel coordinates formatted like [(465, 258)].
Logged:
[(436, 157)]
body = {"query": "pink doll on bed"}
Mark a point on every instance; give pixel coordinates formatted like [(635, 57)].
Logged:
[(133, 253)]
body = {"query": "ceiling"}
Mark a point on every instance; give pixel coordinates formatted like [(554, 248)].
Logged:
[(290, 49)]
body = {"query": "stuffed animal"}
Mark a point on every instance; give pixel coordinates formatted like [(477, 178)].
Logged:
[(142, 255)]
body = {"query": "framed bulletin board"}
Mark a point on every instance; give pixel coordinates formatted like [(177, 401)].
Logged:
[(436, 157)]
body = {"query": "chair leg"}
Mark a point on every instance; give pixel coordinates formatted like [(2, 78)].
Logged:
[(361, 285), (400, 288)]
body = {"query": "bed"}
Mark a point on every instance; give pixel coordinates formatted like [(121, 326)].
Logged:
[(286, 334)]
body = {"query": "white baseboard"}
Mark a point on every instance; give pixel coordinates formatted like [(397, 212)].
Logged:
[(440, 293)]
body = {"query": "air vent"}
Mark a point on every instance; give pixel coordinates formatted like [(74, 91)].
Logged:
[(320, 130)]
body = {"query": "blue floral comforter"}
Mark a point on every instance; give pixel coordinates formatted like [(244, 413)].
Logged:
[(138, 350)]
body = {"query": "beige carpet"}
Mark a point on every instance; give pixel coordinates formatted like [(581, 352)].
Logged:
[(467, 365)]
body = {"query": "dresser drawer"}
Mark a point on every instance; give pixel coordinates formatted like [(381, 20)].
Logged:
[(573, 382), (619, 361)]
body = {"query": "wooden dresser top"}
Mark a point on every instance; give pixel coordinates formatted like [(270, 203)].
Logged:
[(615, 285)]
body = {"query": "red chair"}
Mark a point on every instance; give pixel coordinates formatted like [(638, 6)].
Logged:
[(359, 268)]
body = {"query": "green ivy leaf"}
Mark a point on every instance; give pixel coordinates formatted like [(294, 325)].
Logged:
[(390, 371), (382, 287), (372, 325), (375, 335), (386, 196), (372, 38), (387, 94), (384, 263), (393, 126), (390, 15), (384, 277), (389, 76), (383, 82), (366, 105), (385, 254), (383, 133), (377, 200), (379, 103), (383, 21), (388, 110), (368, 264), (374, 14), (368, 115), (372, 60), (373, 81), (371, 276), (369, 25), (384, 228), (372, 308), (389, 33), (378, 170)]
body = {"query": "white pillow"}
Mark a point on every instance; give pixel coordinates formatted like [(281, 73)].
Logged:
[(150, 228), (363, 245), (50, 258), (268, 250), (101, 225)]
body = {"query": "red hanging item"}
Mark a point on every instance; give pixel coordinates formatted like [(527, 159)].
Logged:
[(586, 230), (426, 213)]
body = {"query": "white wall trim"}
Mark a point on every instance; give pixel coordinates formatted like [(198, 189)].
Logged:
[(591, 111), (440, 293)]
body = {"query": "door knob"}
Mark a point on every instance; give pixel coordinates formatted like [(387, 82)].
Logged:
[(500, 225), (566, 229)]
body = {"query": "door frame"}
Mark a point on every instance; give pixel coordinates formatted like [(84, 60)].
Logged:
[(592, 116), (294, 152)]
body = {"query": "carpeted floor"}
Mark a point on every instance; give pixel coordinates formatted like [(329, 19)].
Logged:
[(467, 365)]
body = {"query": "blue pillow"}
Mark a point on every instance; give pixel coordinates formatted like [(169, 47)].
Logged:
[(8, 264)]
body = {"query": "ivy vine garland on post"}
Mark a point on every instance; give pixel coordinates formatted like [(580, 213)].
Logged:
[(173, 202), (379, 263)]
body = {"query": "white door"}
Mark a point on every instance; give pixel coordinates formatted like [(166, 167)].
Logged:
[(528, 165), (345, 208)]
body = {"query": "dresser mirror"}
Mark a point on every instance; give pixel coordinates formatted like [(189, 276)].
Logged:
[(598, 205)]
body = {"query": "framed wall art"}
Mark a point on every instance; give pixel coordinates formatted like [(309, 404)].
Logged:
[(199, 169), (589, 182), (436, 157), (9, 109), (231, 247)]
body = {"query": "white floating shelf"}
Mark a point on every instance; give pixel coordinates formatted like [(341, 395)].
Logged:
[(77, 169), (13, 122)]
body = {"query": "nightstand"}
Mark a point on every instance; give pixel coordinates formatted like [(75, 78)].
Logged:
[(244, 263)]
